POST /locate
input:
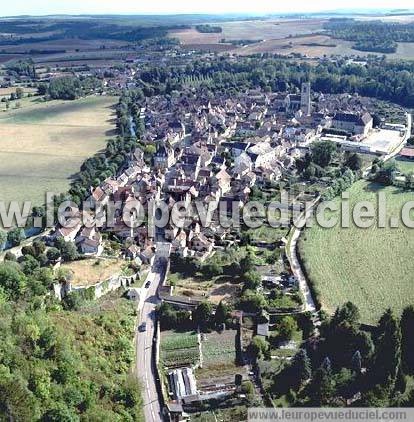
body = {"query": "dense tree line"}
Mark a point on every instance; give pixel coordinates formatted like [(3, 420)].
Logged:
[(209, 29), (349, 363), (109, 162), (84, 29), (390, 81), (376, 46), (65, 88), (71, 87), (375, 36), (22, 68), (202, 317)]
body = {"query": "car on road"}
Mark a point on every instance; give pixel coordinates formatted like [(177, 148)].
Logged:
[(147, 284), (143, 327)]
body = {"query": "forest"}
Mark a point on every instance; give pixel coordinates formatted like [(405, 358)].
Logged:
[(385, 80), (374, 36), (62, 361)]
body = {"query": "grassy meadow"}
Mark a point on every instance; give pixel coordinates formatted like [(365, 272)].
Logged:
[(371, 267), (43, 144)]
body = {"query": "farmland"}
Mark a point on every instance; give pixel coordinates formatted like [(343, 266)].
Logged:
[(44, 144), (281, 36), (310, 45), (250, 30), (179, 349), (370, 267), (318, 46), (64, 44), (7, 91)]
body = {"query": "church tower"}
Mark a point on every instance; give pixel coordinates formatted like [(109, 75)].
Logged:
[(305, 98)]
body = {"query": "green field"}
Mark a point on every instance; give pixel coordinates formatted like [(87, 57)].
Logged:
[(371, 267), (42, 145)]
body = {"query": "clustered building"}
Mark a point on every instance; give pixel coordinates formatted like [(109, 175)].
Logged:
[(213, 149)]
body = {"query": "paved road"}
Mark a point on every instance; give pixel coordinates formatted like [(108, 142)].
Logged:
[(145, 365)]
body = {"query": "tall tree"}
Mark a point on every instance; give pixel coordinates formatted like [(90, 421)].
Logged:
[(286, 327), (347, 313), (3, 239), (343, 336), (327, 365), (12, 280), (357, 362), (301, 366), (323, 152), (221, 313), (354, 162), (388, 351), (202, 314), (258, 347), (407, 339), (321, 388), (247, 263), (15, 236)]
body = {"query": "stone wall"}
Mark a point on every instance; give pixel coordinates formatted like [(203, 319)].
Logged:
[(97, 290)]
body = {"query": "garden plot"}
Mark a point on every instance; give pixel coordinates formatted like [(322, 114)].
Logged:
[(218, 359), (179, 349)]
